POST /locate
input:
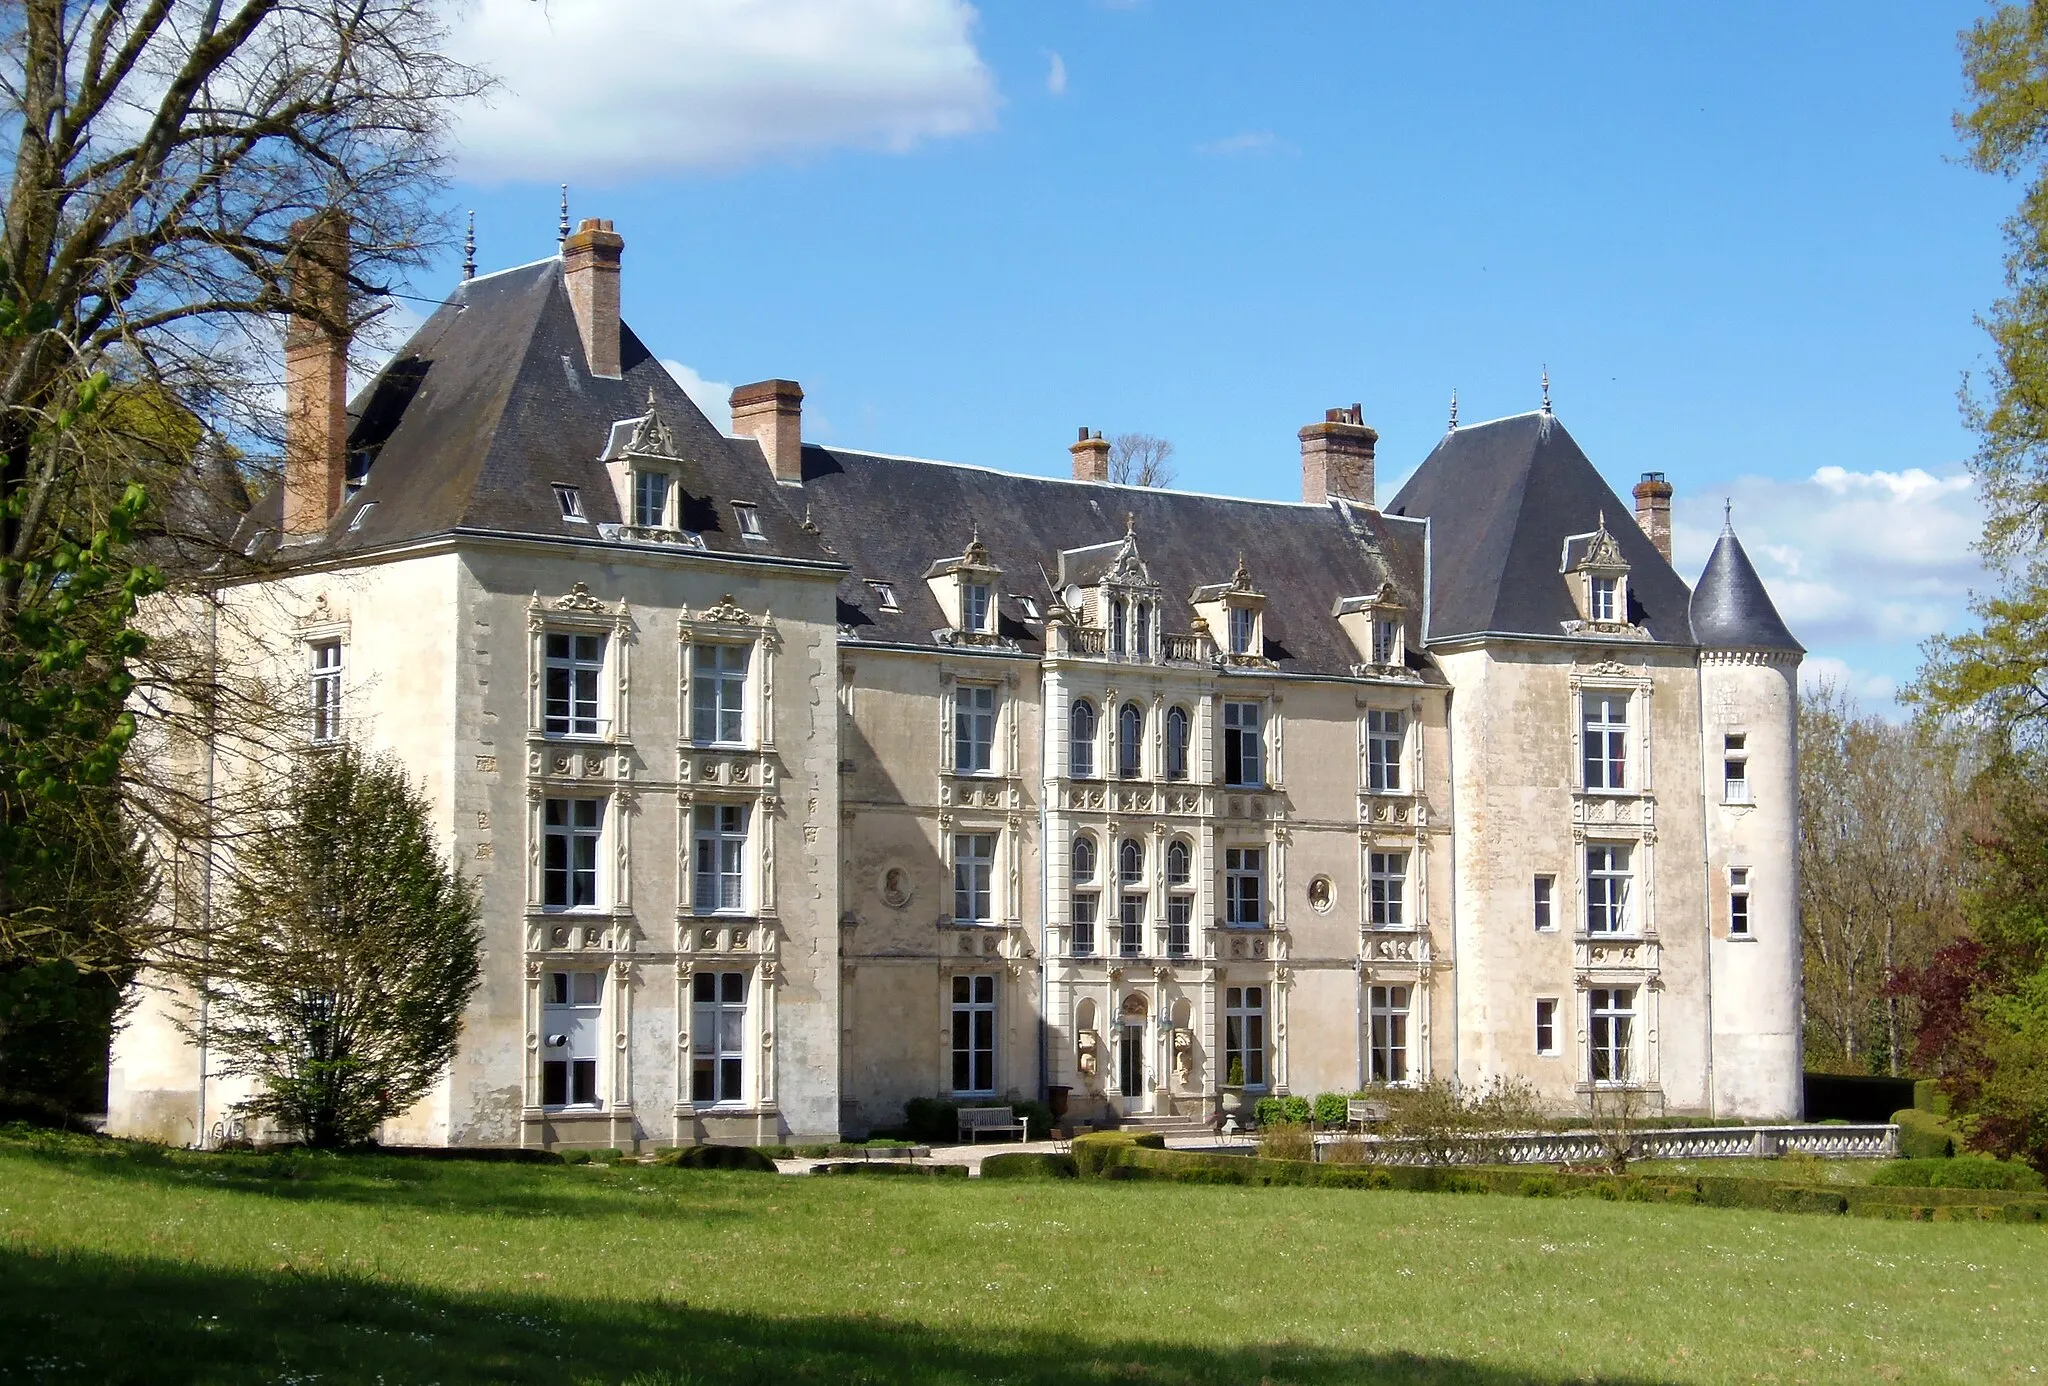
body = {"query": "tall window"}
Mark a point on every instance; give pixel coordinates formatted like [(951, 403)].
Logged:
[(1735, 768), (1081, 740), (327, 691), (1606, 598), (1388, 1010), (1545, 903), (1386, 639), (1242, 763), (1085, 897), (977, 607), (1388, 879), (1385, 732), (1607, 888), (1244, 628), (1546, 1025), (1244, 1036), (718, 1037), (1130, 862), (1606, 744), (974, 728), (1141, 629), (1244, 885), (1738, 902), (718, 693), (974, 1033), (1131, 924), (1180, 899), (575, 665), (720, 831), (1130, 741), (1176, 743), (1119, 613), (570, 1005), (974, 864), (650, 499), (1612, 1033), (570, 832)]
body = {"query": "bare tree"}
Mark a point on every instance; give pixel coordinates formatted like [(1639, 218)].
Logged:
[(1140, 459)]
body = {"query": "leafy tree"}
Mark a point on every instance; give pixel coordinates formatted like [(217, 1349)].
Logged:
[(337, 969)]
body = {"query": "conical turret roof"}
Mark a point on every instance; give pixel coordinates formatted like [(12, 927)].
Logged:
[(1730, 608)]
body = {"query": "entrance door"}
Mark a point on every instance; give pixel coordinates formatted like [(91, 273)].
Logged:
[(1131, 1069)]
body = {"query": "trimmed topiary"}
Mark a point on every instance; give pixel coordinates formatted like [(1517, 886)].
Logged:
[(719, 1157), (1928, 1097), (1923, 1135), (1026, 1164), (1960, 1172), (1100, 1152)]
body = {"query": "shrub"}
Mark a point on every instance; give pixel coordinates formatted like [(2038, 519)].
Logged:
[(1922, 1135), (1099, 1152), (777, 1152), (886, 1168), (932, 1119), (1961, 1172), (1330, 1108), (1025, 1164), (1928, 1097), (720, 1157), (1040, 1117), (1288, 1110), (1540, 1186), (813, 1152), (1350, 1150), (1286, 1140), (575, 1157)]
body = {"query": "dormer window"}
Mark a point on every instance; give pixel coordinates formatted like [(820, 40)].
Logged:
[(749, 516), (965, 588), (1599, 577), (1244, 629), (1606, 590), (571, 501), (1386, 640), (1374, 624), (651, 492), (977, 607)]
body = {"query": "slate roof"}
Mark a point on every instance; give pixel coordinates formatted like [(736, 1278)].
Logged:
[(1730, 608), (889, 517), (1502, 498), (490, 404)]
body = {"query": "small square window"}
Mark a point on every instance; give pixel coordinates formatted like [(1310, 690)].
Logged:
[(749, 516), (571, 501), (885, 595)]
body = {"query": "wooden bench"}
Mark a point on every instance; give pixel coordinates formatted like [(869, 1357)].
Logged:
[(975, 1120), (1364, 1112)]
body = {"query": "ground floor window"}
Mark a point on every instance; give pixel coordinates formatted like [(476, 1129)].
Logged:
[(974, 1034), (1388, 1015), (1244, 1036), (1613, 1014), (718, 1037), (571, 1003)]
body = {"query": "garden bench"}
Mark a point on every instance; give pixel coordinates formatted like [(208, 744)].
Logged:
[(975, 1120), (1364, 1112)]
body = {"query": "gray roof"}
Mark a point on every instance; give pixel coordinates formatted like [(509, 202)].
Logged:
[(490, 404), (1502, 498), (1730, 608), (889, 517)]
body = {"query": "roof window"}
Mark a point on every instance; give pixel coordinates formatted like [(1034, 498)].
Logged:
[(571, 501), (362, 514), (750, 519), (1030, 605), (885, 595)]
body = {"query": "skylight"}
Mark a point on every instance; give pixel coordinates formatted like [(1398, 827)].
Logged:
[(885, 595), (750, 519), (571, 501)]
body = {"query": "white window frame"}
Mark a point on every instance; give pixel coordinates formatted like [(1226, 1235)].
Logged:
[(1130, 923), (974, 877), (975, 710), (1386, 640), (1389, 1010), (1244, 883), (1741, 921), (1610, 889), (1603, 598), (570, 499), (1386, 745), (1543, 902), (662, 514), (720, 834), (1611, 1036), (1179, 736), (885, 594), (1605, 741), (718, 1037), (1547, 1045), (1735, 785), (1244, 1033), (1084, 729), (719, 693), (1084, 865), (574, 836), (973, 1039), (327, 663), (977, 608), (1180, 923), (1387, 882), (572, 1025), (1244, 630), (1244, 747), (1130, 742), (747, 516), (583, 680)]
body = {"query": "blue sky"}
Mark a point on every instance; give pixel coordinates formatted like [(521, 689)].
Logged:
[(1737, 235)]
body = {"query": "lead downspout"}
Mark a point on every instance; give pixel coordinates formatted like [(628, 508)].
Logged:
[(1457, 945), (1706, 881), (206, 865)]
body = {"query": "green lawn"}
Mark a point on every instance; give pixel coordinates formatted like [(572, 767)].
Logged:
[(123, 1265)]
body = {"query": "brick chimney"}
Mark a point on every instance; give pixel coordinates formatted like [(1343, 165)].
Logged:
[(1336, 457), (316, 373), (590, 268), (771, 412), (1091, 457), (1653, 510)]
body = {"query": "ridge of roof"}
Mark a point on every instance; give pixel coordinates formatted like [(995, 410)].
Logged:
[(1060, 480)]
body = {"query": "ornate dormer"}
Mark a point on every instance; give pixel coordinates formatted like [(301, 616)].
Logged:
[(1235, 614), (1377, 626), (1111, 604), (641, 457), (1598, 576), (966, 590)]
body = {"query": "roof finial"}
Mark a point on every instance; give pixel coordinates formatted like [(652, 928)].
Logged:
[(469, 249), (1727, 515), (1242, 578), (1603, 519), (1546, 387), (562, 228), (1130, 524), (1454, 409)]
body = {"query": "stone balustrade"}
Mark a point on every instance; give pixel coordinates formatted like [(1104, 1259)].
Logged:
[(1872, 1142)]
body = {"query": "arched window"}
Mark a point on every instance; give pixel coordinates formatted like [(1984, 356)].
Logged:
[(1118, 612), (1177, 863), (1130, 862), (1177, 743), (1084, 860), (1081, 740), (1141, 640), (1130, 741)]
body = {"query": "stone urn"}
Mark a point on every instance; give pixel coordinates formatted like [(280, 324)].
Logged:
[(1056, 1099), (1232, 1104)]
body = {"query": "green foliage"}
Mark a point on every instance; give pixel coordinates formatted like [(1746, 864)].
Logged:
[(344, 954), (1235, 1078), (1024, 1164), (1288, 1110), (1923, 1135), (1962, 1172), (1038, 1114), (1098, 1152), (1330, 1107), (1928, 1097), (932, 1119), (1286, 1140), (744, 1157)]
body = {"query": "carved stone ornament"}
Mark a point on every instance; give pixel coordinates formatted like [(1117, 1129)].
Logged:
[(652, 436), (727, 613), (578, 599)]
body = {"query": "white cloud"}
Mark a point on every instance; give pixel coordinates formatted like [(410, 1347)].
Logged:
[(1874, 691), (1248, 142), (606, 89), (714, 397), (1056, 76)]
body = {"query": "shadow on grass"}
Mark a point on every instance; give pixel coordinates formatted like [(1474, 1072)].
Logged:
[(381, 1181), (88, 1317)]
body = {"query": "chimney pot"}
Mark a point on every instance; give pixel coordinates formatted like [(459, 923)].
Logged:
[(771, 412), (1653, 510), (316, 373), (590, 270), (1091, 457), (1337, 457)]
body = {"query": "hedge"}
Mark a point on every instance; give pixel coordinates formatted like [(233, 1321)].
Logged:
[(1028, 1165), (717, 1157), (1923, 1135), (888, 1167), (1961, 1172), (1100, 1151)]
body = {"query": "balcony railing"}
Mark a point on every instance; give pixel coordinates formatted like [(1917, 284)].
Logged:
[(1092, 642)]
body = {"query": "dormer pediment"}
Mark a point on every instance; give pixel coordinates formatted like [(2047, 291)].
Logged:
[(1234, 613), (965, 588), (1376, 625), (1598, 576), (645, 467)]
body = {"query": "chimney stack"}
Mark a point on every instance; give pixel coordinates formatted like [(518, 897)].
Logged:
[(1653, 510), (771, 412), (316, 373), (1336, 457), (1091, 457), (590, 269)]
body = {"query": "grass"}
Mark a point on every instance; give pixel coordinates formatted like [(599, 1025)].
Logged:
[(126, 1264)]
